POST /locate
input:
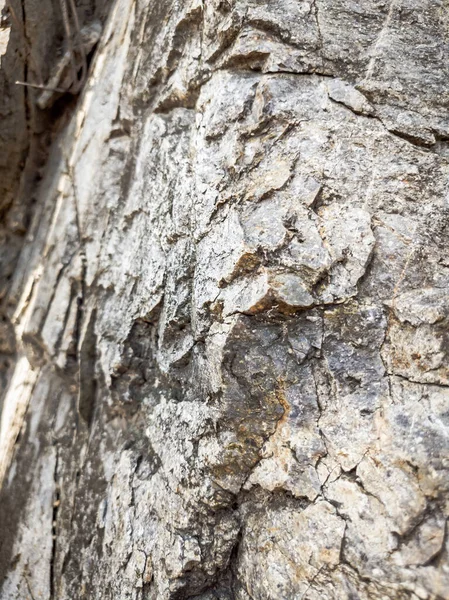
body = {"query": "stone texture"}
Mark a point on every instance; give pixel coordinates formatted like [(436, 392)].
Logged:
[(227, 321)]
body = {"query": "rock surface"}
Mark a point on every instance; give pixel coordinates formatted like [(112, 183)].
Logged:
[(229, 316)]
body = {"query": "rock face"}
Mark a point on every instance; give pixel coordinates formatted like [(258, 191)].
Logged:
[(231, 313)]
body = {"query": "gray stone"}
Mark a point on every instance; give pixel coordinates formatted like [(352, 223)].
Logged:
[(224, 291)]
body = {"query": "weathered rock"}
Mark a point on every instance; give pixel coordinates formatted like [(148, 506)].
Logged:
[(227, 324)]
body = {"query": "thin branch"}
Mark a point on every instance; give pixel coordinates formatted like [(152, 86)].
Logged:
[(80, 82), (68, 34), (26, 43), (40, 87)]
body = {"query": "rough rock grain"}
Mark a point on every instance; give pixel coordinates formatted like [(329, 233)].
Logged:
[(229, 314)]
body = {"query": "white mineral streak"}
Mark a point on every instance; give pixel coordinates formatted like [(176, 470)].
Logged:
[(234, 312), (15, 404)]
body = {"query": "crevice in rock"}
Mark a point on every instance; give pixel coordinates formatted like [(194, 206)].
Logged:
[(54, 524), (418, 381), (437, 558), (413, 141)]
